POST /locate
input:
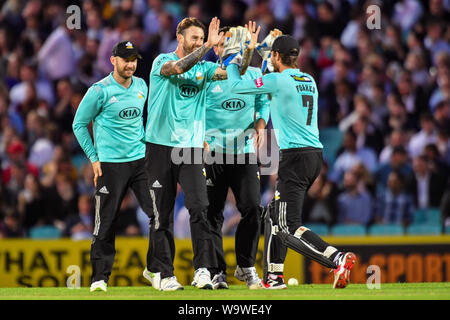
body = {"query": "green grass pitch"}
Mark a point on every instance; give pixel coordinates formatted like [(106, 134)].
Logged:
[(388, 291)]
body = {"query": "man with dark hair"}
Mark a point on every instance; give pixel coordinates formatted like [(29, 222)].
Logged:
[(115, 105), (293, 107), (174, 136)]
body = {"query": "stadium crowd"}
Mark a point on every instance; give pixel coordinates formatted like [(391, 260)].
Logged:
[(384, 97)]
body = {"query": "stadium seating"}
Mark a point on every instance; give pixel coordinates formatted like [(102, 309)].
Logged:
[(45, 232), (424, 229), (447, 229), (348, 230), (319, 228), (385, 229), (430, 216), (331, 139)]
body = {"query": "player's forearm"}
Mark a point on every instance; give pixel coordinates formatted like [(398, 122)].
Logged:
[(186, 63), (246, 59), (238, 85), (81, 132)]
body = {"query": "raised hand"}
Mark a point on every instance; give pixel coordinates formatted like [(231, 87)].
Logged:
[(254, 32), (214, 36)]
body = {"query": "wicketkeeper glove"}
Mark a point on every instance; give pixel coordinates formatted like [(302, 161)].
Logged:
[(264, 49), (236, 40)]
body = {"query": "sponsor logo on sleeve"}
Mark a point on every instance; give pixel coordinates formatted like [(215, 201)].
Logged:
[(259, 82)]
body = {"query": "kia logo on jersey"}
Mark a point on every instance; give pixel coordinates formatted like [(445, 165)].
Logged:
[(130, 113), (188, 90), (233, 104)]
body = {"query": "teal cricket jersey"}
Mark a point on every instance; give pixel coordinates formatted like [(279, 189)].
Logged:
[(116, 113), (230, 115), (176, 106), (293, 108)]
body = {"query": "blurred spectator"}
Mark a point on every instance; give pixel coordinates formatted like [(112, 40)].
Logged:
[(321, 200), (32, 207), (262, 14), (10, 226), (426, 186), (445, 205), (366, 180), (437, 166), (151, 21), (415, 64), (231, 13), (441, 115), (298, 22), (351, 156), (80, 225), (363, 109), (94, 23), (10, 116), (434, 41), (29, 81), (407, 13), (17, 157), (355, 204), (60, 164), (329, 23), (56, 57), (441, 93), (398, 116), (392, 44), (66, 196), (443, 145), (339, 103), (395, 205), (167, 40), (425, 136), (399, 163), (43, 135), (367, 135), (86, 179), (126, 223), (111, 35), (397, 138), (413, 98), (231, 216)]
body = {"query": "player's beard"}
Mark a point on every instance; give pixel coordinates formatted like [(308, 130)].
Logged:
[(188, 49), (125, 74)]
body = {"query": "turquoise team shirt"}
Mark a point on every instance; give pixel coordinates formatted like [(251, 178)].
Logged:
[(116, 113), (176, 108), (293, 107), (229, 115)]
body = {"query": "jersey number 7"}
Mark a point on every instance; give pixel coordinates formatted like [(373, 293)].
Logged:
[(308, 102)]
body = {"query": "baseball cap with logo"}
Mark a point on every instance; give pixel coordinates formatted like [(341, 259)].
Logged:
[(125, 49), (286, 44)]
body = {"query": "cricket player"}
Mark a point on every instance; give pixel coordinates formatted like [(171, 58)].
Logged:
[(175, 134), (114, 105), (233, 122), (293, 110)]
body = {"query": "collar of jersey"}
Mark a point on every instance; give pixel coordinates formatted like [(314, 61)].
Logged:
[(118, 84)]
